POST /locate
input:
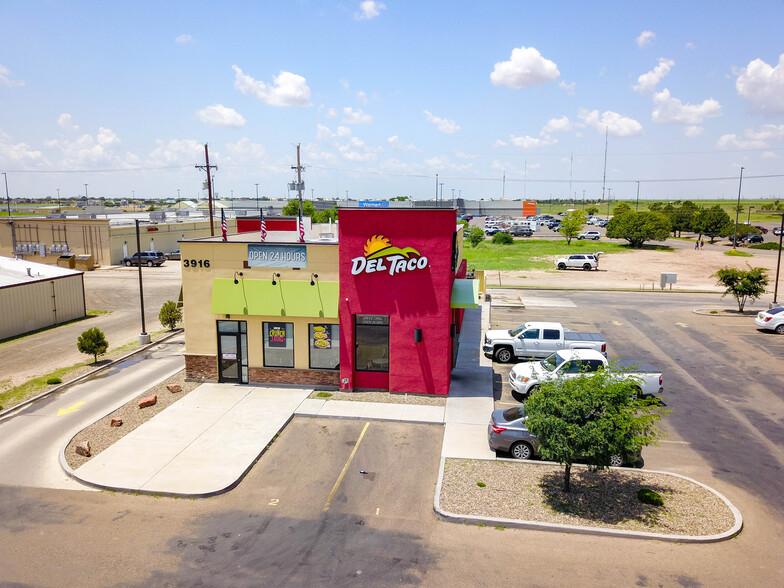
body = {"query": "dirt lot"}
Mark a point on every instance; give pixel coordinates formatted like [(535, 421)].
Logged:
[(643, 269)]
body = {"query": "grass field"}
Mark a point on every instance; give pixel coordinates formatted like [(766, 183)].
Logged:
[(536, 253)]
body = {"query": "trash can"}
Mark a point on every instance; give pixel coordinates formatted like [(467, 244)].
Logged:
[(85, 263), (67, 260)]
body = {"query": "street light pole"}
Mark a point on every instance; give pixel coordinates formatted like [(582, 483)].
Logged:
[(778, 263), (257, 196), (144, 338), (737, 212), (7, 199), (638, 197), (748, 218)]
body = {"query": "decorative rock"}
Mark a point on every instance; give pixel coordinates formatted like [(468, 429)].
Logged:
[(174, 388), (83, 449), (116, 422), (148, 401)]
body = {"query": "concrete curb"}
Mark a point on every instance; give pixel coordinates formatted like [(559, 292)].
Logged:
[(86, 376), (721, 313), (585, 530), (598, 289)]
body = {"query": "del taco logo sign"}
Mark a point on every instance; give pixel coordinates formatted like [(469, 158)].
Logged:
[(381, 256)]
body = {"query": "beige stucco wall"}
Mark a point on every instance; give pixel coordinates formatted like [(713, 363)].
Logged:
[(224, 260)]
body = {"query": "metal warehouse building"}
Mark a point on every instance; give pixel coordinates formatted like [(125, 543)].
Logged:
[(35, 296)]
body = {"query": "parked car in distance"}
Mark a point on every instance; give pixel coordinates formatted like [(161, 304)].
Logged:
[(753, 239), (762, 229), (602, 222), (586, 261), (148, 258), (771, 320), (507, 432), (594, 235), (518, 231), (493, 229), (777, 231), (173, 255)]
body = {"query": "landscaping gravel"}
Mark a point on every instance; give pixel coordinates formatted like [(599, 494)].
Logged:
[(387, 397), (534, 492)]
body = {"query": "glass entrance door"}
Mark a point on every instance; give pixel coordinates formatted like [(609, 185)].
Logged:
[(232, 352)]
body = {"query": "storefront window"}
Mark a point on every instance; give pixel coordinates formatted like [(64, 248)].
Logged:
[(324, 346), (372, 342), (279, 345)]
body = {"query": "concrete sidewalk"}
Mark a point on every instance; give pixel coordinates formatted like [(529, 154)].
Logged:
[(204, 444)]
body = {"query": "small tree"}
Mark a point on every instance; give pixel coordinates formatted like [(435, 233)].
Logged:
[(170, 314), (621, 208), (713, 222), (591, 210), (476, 236), (744, 286), (93, 342), (572, 225), (591, 418), (639, 227), (292, 208), (502, 239)]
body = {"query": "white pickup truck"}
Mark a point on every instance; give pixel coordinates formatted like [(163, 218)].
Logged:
[(526, 377), (538, 340)]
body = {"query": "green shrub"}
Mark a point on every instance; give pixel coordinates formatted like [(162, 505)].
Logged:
[(768, 245), (481, 484), (52, 381), (324, 394), (93, 342), (648, 496), (502, 239), (476, 236), (170, 314)]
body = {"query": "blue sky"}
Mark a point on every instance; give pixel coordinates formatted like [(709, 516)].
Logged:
[(382, 96)]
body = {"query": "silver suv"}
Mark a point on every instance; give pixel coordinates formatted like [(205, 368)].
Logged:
[(595, 235), (586, 261), (148, 258)]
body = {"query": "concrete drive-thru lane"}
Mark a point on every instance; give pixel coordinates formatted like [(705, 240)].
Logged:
[(32, 438)]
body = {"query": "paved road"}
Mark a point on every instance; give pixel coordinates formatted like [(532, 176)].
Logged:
[(31, 440), (114, 290)]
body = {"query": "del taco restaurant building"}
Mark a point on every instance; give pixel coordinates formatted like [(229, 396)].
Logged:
[(379, 308)]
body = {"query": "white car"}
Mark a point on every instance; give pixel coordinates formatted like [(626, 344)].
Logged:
[(586, 261), (771, 320), (594, 235)]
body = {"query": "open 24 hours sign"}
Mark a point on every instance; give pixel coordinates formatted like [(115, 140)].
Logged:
[(264, 255)]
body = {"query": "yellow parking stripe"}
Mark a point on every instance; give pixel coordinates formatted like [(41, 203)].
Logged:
[(345, 469)]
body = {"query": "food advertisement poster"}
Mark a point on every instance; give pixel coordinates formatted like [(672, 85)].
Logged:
[(277, 335), (322, 336)]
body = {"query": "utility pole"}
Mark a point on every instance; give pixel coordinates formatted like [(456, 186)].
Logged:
[(208, 167), (436, 189), (638, 197), (503, 186), (299, 169), (257, 195), (604, 175), (737, 211), (442, 194)]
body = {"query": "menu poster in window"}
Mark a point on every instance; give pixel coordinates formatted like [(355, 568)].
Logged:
[(322, 336), (277, 336)]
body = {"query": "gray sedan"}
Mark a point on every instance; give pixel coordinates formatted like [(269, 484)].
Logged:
[(507, 432)]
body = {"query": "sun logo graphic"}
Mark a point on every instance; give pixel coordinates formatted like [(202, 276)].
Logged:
[(381, 256)]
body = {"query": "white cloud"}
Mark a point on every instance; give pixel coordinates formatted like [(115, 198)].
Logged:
[(331, 113), (444, 163), (5, 78), (616, 124), (87, 151), (693, 131), (246, 151), (64, 120), (183, 40), (355, 117), (500, 143), (343, 131), (323, 133), (464, 155), (397, 145), (668, 110), (362, 97), (19, 154), (766, 133), (734, 142), (355, 150), (557, 125), (178, 151), (647, 82), (568, 87), (446, 126), (769, 155), (288, 89), (528, 142), (763, 86), (690, 45), (526, 67), (218, 115), (369, 9), (645, 38)]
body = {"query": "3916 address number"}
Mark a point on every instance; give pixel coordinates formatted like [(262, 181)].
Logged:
[(196, 262)]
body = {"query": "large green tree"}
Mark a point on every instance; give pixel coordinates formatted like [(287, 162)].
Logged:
[(621, 207), (743, 285), (713, 222), (683, 218), (572, 224), (591, 418), (639, 227), (292, 208)]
